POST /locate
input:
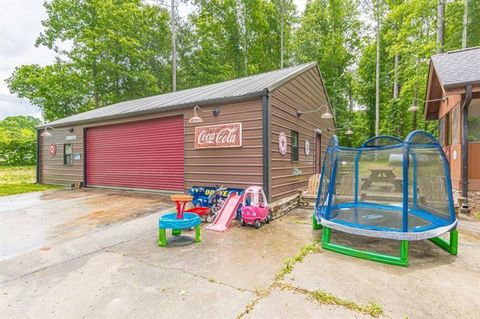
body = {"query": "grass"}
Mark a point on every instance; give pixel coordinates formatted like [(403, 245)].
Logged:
[(18, 180), (326, 298), (289, 263)]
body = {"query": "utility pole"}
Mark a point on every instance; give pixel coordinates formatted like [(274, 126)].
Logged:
[(174, 48), (377, 72), (440, 26), (282, 4), (465, 24)]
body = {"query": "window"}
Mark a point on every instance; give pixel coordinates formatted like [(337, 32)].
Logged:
[(455, 125), (441, 131), (474, 121), (294, 146), (67, 154), (446, 139)]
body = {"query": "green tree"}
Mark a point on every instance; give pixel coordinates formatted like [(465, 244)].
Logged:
[(329, 34), (114, 50), (17, 140)]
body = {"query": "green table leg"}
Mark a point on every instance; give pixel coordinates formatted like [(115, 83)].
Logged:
[(176, 232), (198, 238), (162, 237)]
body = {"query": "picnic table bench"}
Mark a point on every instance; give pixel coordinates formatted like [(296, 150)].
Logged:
[(384, 176)]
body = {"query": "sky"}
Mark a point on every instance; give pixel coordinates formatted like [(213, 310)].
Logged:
[(20, 25)]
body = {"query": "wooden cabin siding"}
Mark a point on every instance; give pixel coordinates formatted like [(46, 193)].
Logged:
[(304, 92), (234, 167)]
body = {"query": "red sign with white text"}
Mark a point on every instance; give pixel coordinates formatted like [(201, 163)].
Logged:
[(219, 136)]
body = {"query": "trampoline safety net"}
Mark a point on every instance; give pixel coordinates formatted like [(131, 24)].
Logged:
[(388, 188)]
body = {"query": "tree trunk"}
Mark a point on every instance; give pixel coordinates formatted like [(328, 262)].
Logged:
[(282, 24), (377, 75), (396, 83), (465, 25), (174, 48), (440, 26)]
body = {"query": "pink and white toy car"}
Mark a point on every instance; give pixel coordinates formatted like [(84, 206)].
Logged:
[(255, 207)]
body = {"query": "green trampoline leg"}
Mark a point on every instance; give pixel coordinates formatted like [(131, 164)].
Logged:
[(451, 245), (401, 260), (162, 237), (176, 232), (198, 238), (315, 224)]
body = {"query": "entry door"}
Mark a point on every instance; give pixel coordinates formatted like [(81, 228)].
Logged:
[(143, 154), (318, 153)]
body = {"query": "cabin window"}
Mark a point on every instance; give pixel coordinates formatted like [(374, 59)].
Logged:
[(474, 121), (455, 125), (294, 146), (441, 131), (448, 132), (67, 154)]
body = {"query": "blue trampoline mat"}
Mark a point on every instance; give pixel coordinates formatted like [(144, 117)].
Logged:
[(386, 218)]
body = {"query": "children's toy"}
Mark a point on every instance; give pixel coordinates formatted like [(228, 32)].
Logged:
[(170, 221), (227, 213), (204, 213), (254, 207), (178, 220), (212, 198), (363, 192)]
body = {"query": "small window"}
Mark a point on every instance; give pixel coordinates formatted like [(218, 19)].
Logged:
[(441, 131), (455, 125), (448, 130), (67, 154), (294, 146)]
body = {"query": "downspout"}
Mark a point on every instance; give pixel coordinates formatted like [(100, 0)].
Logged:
[(466, 103), (266, 143), (37, 159)]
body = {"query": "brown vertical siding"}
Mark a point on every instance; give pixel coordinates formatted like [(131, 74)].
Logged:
[(235, 167), (52, 170), (304, 92)]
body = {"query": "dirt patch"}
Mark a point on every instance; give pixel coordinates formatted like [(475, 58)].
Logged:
[(115, 208)]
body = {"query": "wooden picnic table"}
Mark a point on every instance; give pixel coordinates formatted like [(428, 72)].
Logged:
[(384, 176)]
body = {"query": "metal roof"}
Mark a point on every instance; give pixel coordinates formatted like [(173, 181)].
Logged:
[(228, 91), (458, 68)]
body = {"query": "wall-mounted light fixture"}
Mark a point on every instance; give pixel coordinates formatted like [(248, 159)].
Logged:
[(216, 111), (70, 129), (46, 133), (326, 115), (195, 118), (415, 108)]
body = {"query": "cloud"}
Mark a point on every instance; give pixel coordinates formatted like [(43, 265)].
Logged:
[(20, 25), (11, 105)]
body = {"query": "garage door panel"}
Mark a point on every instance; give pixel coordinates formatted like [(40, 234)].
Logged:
[(145, 154)]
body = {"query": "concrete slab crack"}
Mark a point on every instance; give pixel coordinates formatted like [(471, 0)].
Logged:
[(211, 280)]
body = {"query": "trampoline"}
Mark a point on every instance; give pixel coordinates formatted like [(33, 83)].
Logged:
[(388, 188)]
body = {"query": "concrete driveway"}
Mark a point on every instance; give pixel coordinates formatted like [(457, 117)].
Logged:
[(41, 220), (278, 271)]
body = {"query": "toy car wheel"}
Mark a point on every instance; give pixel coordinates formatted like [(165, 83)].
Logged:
[(269, 218), (209, 218), (257, 224), (242, 222)]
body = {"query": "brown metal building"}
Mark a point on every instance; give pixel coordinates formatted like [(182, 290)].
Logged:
[(151, 143)]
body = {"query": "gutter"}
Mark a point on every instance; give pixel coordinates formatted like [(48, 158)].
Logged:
[(37, 159), (464, 182)]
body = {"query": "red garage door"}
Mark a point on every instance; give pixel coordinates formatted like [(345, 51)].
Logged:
[(144, 154)]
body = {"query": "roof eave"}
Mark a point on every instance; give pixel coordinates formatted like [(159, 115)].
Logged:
[(234, 99)]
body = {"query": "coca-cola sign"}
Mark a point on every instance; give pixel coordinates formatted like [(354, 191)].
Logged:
[(219, 136)]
